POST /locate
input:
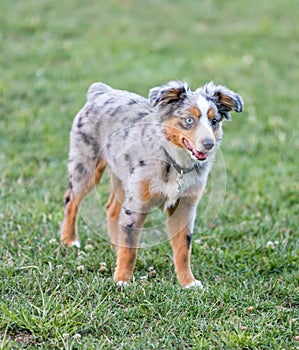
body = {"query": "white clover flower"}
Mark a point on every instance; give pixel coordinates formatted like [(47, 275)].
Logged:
[(77, 337), (80, 268), (271, 245)]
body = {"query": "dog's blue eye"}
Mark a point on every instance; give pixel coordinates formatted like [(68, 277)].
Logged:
[(189, 121)]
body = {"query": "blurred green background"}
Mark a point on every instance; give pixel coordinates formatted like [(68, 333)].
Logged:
[(50, 52)]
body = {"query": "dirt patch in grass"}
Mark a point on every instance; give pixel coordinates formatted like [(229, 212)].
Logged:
[(23, 337)]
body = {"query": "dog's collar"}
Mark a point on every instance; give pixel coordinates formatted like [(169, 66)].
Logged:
[(180, 170)]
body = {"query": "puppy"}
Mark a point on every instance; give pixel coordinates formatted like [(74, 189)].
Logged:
[(159, 150)]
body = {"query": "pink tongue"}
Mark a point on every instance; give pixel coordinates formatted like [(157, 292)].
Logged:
[(199, 155)]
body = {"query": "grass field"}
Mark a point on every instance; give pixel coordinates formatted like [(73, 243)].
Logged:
[(248, 260)]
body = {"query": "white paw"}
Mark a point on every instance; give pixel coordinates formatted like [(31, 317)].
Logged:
[(75, 244), (195, 283), (122, 283)]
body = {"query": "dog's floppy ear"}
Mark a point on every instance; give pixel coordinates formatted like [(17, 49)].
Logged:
[(170, 93), (225, 99)]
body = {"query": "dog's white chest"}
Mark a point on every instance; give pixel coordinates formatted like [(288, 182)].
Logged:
[(178, 185)]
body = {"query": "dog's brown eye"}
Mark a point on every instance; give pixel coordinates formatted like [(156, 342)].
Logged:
[(214, 121), (189, 121)]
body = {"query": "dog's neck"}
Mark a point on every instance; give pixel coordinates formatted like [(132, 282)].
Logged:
[(180, 170)]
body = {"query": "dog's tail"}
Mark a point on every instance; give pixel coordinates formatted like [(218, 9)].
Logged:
[(97, 89)]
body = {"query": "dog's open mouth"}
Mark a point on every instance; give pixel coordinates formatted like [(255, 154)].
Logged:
[(198, 155)]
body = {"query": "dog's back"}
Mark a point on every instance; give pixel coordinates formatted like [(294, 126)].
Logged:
[(97, 89), (108, 110)]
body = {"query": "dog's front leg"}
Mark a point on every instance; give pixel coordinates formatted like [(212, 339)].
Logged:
[(180, 226), (129, 234)]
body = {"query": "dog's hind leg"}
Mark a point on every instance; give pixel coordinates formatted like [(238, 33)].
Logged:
[(114, 206), (82, 180)]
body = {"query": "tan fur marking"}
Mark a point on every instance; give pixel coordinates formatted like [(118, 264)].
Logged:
[(126, 258), (69, 229), (172, 132), (69, 235), (179, 228), (211, 113), (93, 181), (145, 191), (100, 170), (195, 112), (68, 195), (174, 138), (226, 101), (172, 94), (181, 255), (114, 206), (175, 134)]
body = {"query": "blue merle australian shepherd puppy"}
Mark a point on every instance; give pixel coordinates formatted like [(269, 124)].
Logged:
[(159, 150)]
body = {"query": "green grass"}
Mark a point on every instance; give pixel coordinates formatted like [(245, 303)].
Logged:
[(54, 298)]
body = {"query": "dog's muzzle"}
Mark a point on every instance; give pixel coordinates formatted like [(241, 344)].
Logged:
[(195, 153), (208, 143)]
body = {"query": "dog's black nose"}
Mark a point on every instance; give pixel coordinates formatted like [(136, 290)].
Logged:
[(208, 143)]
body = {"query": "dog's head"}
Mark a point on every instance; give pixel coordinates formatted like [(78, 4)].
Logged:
[(192, 119)]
